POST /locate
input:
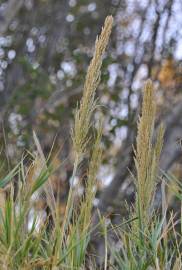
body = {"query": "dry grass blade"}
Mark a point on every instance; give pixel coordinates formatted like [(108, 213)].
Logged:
[(48, 186)]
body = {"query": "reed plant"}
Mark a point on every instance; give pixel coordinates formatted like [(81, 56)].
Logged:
[(147, 155), (150, 241), (27, 241)]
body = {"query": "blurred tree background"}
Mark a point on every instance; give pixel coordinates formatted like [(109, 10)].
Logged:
[(45, 49)]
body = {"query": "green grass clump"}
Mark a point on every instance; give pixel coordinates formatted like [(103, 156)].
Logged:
[(150, 241)]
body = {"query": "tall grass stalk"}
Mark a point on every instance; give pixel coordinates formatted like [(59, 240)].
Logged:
[(78, 230), (147, 155), (84, 112)]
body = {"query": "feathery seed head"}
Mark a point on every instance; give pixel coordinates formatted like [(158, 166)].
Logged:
[(84, 113), (147, 155)]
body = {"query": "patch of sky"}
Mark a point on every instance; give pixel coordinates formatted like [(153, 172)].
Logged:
[(72, 3), (60, 74), (5, 41), (135, 26), (113, 72), (30, 45), (106, 174), (134, 100), (69, 68), (70, 18), (3, 64), (92, 7), (14, 121), (140, 76), (11, 54), (129, 48)]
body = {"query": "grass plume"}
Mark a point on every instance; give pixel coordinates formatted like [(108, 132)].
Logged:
[(147, 154), (84, 113), (80, 136)]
